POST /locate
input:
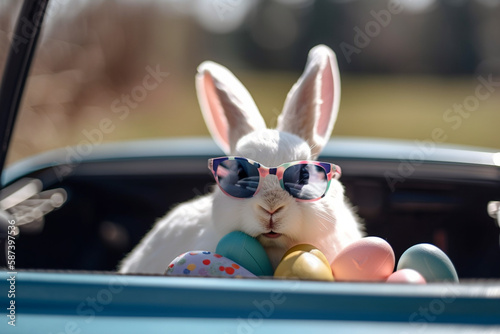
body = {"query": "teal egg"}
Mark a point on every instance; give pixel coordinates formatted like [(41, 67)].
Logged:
[(431, 262), (245, 251)]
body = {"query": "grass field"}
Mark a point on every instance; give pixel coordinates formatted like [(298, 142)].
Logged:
[(372, 106)]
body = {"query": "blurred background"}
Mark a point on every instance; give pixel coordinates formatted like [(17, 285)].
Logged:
[(407, 67)]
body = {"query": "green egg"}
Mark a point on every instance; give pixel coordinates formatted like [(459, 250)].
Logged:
[(431, 262), (245, 251)]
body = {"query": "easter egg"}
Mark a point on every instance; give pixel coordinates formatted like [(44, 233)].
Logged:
[(406, 276), (304, 262), (246, 251), (205, 264), (367, 259), (431, 262), (308, 248)]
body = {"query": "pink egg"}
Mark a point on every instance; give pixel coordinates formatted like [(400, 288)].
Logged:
[(368, 259), (406, 276)]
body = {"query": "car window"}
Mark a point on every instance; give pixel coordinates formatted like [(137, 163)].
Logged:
[(425, 71)]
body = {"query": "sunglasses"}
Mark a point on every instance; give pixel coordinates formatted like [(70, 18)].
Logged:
[(304, 180)]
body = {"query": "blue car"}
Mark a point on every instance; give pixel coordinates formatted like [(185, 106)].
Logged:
[(66, 221)]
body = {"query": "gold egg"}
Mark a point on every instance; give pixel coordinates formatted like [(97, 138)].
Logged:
[(304, 262)]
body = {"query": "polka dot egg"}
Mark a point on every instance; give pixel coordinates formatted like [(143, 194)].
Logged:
[(205, 264)]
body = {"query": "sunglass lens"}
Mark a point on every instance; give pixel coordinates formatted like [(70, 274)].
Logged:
[(305, 181), (238, 178)]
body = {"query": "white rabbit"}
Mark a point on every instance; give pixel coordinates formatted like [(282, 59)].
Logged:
[(273, 216)]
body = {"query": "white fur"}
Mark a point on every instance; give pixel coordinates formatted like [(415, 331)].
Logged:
[(303, 129)]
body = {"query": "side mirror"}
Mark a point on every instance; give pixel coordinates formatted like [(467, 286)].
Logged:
[(494, 212)]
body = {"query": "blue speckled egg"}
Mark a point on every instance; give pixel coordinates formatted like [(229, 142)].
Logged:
[(431, 262)]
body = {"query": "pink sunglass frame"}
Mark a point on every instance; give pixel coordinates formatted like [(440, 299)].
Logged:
[(332, 171)]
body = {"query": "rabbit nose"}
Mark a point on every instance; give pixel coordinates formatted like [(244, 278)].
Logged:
[(271, 211), (272, 201)]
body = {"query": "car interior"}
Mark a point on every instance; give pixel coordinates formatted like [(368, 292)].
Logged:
[(112, 199)]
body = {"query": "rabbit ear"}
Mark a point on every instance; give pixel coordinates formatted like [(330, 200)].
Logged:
[(227, 107), (312, 104)]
